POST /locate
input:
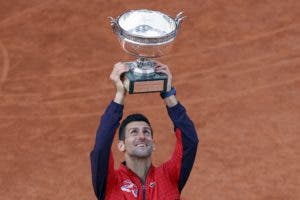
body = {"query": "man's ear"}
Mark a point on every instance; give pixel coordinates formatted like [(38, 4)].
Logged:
[(121, 146)]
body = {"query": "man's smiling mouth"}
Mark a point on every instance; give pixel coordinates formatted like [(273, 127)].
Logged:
[(141, 145)]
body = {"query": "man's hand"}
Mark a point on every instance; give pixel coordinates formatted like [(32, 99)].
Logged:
[(162, 68), (115, 76)]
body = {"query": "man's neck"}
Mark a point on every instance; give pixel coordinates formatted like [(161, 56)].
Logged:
[(140, 166)]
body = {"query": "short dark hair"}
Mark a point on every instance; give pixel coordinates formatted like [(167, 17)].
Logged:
[(132, 118)]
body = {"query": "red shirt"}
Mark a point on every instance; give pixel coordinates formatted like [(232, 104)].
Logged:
[(161, 182)]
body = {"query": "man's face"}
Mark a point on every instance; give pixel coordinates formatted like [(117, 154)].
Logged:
[(138, 139)]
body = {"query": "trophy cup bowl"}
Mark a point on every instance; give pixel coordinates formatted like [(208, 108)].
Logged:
[(145, 34)]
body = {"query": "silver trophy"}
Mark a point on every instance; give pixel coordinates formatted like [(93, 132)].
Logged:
[(145, 34)]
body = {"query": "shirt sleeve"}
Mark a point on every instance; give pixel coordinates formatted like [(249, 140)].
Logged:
[(182, 160), (102, 163)]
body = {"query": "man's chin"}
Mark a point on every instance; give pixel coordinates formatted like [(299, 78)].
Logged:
[(142, 153)]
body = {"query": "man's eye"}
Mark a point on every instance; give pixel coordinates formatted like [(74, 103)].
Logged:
[(147, 133), (133, 132)]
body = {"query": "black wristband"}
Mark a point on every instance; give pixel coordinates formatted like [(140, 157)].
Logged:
[(169, 93)]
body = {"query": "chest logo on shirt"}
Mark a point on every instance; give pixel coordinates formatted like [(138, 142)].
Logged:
[(152, 184), (129, 186)]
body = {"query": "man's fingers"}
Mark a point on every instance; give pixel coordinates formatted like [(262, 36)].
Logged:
[(118, 70), (118, 66), (122, 69), (162, 69), (159, 67)]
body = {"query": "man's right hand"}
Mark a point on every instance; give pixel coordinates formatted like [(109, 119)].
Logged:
[(115, 76)]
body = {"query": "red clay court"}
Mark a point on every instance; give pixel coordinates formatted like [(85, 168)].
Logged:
[(236, 68)]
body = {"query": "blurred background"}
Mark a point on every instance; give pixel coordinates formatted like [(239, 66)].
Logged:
[(235, 66)]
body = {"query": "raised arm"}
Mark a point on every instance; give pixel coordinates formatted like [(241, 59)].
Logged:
[(181, 163), (102, 163)]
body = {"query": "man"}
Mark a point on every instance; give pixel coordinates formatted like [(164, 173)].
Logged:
[(136, 177)]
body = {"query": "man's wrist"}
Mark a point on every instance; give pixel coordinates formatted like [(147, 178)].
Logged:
[(119, 98), (169, 97), (168, 93)]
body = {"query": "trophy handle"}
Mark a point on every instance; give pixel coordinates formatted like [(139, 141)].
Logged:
[(179, 18), (114, 25)]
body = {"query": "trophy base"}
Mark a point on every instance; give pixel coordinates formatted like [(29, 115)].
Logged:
[(134, 84)]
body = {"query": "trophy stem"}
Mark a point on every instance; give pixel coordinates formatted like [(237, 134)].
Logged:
[(144, 67), (145, 62)]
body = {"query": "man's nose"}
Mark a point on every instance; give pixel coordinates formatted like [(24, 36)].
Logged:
[(141, 135)]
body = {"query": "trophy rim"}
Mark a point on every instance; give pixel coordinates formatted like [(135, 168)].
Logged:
[(173, 22), (146, 40)]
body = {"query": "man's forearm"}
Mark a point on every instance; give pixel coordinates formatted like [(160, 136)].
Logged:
[(119, 98)]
